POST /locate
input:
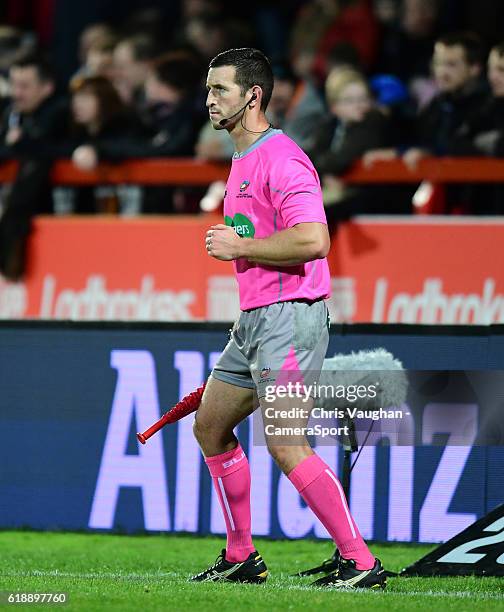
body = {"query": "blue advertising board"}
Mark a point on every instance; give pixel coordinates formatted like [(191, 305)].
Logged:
[(72, 397)]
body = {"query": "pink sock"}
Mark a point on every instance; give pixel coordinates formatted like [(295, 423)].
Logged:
[(323, 493), (230, 473)]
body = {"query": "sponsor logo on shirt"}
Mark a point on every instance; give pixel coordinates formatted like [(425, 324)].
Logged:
[(242, 225), (243, 188)]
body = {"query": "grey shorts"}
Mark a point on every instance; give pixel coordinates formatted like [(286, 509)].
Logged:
[(283, 337)]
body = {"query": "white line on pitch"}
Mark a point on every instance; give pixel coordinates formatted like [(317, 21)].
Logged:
[(87, 575), (296, 587)]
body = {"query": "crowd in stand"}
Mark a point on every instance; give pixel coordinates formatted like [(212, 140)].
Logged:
[(354, 79)]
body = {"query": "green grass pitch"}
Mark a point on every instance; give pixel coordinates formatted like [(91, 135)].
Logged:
[(144, 573)]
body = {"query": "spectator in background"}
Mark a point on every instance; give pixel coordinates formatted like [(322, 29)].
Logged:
[(295, 105), (170, 86), (97, 109), (13, 45), (32, 126), (132, 59), (98, 117), (99, 59), (354, 128), (457, 64), (90, 36), (496, 70), (483, 134), (34, 114)]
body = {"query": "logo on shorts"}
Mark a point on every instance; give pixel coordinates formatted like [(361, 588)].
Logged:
[(265, 372), (244, 185)]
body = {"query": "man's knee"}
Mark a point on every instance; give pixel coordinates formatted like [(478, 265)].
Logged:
[(202, 430), (222, 407), (208, 432), (288, 457)]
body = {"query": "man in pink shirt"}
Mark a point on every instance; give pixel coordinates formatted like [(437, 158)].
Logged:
[(275, 233)]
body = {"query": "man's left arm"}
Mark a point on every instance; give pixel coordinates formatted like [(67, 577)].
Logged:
[(292, 246)]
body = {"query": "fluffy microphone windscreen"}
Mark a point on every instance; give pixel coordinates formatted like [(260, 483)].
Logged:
[(365, 367)]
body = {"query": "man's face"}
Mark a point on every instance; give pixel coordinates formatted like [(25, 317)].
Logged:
[(224, 95), (451, 68), (27, 90), (496, 73)]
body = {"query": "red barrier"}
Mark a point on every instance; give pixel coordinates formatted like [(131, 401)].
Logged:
[(185, 171), (173, 171), (437, 170)]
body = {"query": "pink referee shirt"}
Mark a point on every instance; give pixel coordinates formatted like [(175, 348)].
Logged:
[(273, 186)]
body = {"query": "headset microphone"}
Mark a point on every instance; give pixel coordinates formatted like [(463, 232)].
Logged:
[(223, 122)]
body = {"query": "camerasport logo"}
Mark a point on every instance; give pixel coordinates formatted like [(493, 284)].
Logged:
[(244, 185)]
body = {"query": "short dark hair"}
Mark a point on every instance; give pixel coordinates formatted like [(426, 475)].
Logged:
[(469, 41), (252, 68), (43, 67)]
